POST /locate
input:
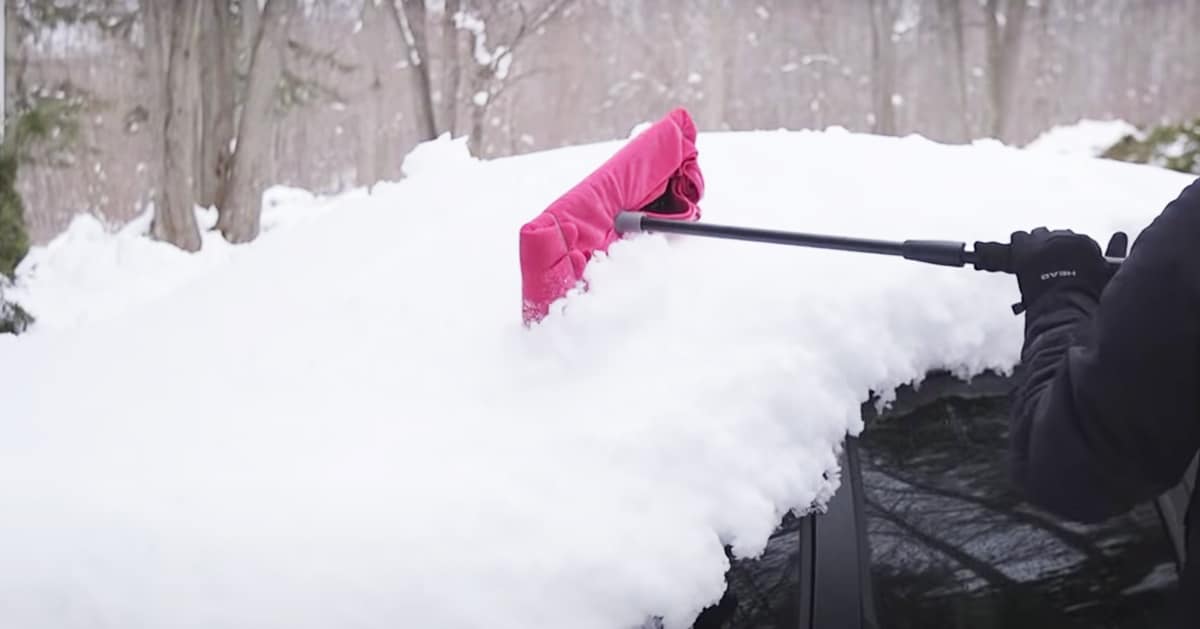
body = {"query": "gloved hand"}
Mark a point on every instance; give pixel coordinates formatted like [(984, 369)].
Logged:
[(1046, 261)]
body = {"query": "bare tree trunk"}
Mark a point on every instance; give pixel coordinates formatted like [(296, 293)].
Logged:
[(249, 23), (479, 111), (1014, 29), (452, 67), (175, 216), (958, 53), (412, 24), (369, 168), (15, 58), (4, 34), (995, 63), (217, 76), (1003, 54), (249, 19), (154, 61), (240, 215), (883, 66)]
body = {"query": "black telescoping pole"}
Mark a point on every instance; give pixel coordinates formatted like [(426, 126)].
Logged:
[(942, 252)]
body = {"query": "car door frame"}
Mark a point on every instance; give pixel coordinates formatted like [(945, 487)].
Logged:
[(835, 575)]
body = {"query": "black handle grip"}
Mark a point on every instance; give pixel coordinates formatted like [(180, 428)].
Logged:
[(993, 256), (997, 256)]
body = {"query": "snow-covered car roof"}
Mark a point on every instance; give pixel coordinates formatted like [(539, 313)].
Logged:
[(346, 421)]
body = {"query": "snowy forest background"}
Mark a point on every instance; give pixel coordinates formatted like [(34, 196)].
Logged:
[(313, 427), (178, 102)]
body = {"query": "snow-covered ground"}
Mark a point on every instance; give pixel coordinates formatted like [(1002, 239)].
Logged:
[(346, 424), (1088, 138)]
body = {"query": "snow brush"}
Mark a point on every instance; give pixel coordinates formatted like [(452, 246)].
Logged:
[(987, 256)]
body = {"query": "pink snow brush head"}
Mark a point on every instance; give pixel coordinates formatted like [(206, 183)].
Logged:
[(656, 172)]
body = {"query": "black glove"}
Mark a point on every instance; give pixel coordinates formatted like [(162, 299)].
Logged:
[(1047, 261), (1061, 260)]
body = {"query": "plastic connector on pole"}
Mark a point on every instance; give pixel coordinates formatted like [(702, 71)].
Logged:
[(628, 222), (941, 252)]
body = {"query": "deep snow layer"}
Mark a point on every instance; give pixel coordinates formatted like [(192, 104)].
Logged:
[(346, 425)]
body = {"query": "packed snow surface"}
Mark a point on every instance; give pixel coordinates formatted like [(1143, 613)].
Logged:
[(345, 424), (1088, 138)]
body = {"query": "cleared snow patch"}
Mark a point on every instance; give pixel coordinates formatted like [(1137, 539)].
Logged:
[(345, 423)]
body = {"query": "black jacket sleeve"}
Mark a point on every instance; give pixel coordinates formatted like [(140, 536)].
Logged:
[(1107, 411)]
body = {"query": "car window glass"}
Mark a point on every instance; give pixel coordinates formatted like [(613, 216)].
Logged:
[(761, 593), (953, 545)]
